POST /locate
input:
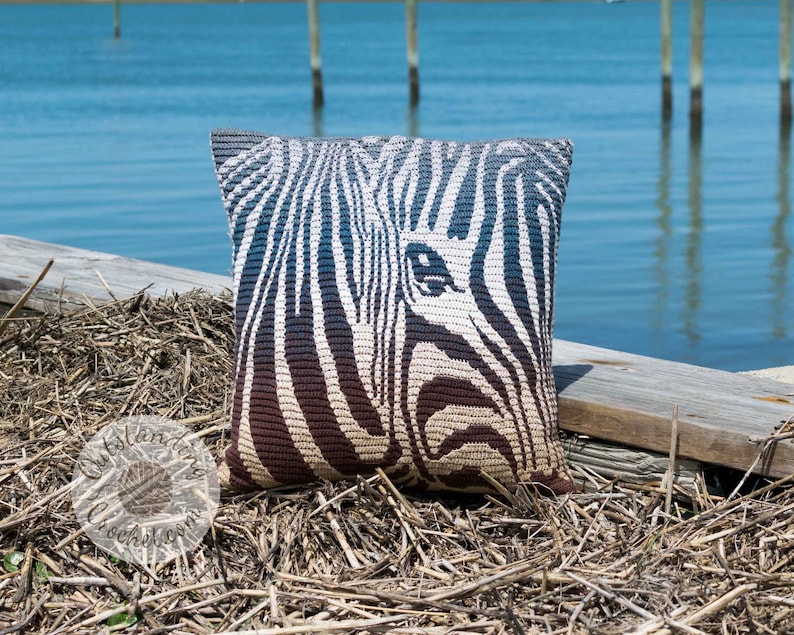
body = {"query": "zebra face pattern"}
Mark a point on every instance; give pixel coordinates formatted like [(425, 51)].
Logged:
[(393, 303)]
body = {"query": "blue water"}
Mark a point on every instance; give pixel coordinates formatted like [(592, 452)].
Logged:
[(670, 248)]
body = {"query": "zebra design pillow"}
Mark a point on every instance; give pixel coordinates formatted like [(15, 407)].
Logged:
[(393, 305)]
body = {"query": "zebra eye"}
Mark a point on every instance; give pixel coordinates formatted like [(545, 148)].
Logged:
[(428, 269)]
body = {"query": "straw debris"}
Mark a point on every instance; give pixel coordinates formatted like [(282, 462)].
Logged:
[(360, 557)]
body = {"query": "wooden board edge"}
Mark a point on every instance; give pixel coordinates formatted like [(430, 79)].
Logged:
[(696, 441)]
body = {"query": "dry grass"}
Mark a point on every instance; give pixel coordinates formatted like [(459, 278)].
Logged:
[(351, 557)]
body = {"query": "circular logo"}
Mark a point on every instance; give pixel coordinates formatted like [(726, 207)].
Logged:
[(145, 489)]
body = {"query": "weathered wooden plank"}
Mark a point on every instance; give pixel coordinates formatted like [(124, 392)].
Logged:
[(74, 274), (724, 418), (628, 465)]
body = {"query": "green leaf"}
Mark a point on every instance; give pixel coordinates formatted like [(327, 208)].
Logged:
[(122, 618), (42, 572), (12, 560)]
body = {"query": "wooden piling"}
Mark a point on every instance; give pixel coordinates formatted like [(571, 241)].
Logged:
[(412, 41), (696, 63), (314, 52), (117, 18), (785, 60), (667, 58)]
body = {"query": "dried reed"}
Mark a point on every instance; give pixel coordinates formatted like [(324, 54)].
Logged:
[(358, 557)]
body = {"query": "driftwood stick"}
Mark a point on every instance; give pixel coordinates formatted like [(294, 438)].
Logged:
[(671, 470), (323, 626), (717, 604), (79, 580), (12, 312), (339, 534)]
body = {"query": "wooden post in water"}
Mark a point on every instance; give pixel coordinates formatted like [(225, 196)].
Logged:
[(117, 18), (413, 49), (696, 64), (667, 58), (785, 60), (314, 52)]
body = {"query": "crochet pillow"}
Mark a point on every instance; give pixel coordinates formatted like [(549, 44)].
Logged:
[(393, 308)]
